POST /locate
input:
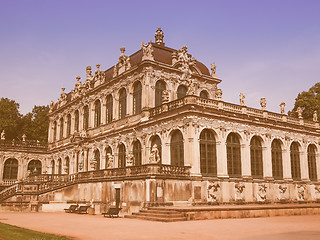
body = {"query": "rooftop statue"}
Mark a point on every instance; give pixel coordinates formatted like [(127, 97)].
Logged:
[(159, 36)]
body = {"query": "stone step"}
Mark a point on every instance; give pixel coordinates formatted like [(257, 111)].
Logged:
[(160, 219), (159, 211), (161, 215)]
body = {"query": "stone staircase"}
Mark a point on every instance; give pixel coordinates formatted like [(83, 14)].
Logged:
[(158, 214)]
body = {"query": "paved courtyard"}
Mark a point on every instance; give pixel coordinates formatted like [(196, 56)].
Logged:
[(89, 227)]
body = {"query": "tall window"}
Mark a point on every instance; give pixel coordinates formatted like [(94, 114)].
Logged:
[(109, 108), (97, 113), (156, 141), (122, 103), (68, 125), (122, 156), (137, 97), (256, 158), (10, 170), (52, 167), (108, 154), (97, 159), (159, 88), (61, 127), (182, 91), (137, 153), (312, 165), (67, 164), (233, 155), (54, 131), (76, 121), (176, 149), (276, 154), (208, 156), (59, 166), (85, 117), (204, 94), (35, 166), (295, 161)]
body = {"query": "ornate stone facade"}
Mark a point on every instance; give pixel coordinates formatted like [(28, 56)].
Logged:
[(156, 127)]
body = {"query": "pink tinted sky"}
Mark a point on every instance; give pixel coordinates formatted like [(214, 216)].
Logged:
[(261, 48)]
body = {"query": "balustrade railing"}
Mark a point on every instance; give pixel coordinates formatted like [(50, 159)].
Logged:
[(22, 144)]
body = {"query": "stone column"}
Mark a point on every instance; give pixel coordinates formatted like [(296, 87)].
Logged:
[(91, 115), (85, 167), (317, 164), (116, 106), (245, 159), (129, 103), (165, 155), (286, 162), (50, 131), (103, 111), (80, 119), (304, 164), (72, 123), (192, 150), (222, 169), (267, 160)]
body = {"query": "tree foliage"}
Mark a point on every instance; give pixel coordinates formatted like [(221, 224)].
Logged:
[(34, 124), (309, 102)]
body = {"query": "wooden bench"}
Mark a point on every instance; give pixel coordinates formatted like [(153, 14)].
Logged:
[(83, 210), (71, 209), (112, 212)]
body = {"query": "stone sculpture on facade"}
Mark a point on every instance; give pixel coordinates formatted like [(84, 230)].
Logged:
[(262, 192), (263, 103), (99, 75), (110, 160), (165, 96), (3, 135), (147, 51), (282, 106), (282, 192), (239, 188), (24, 137), (154, 156), (242, 97), (213, 70), (299, 111), (124, 61), (301, 192), (130, 160), (315, 116), (212, 191), (51, 106), (219, 94), (159, 36)]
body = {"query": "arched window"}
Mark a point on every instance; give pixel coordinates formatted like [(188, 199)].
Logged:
[(10, 170), (208, 156), (176, 149), (204, 94), (312, 165), (68, 125), (61, 128), (122, 103), (137, 97), (35, 166), (54, 131), (159, 88), (156, 142), (59, 166), (109, 108), (67, 165), (182, 91), (76, 121), (108, 155), (122, 156), (276, 154), (295, 161), (97, 113), (52, 167), (137, 153), (233, 155), (85, 117), (256, 158), (97, 159)]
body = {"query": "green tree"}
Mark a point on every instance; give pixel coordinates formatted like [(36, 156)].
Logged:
[(10, 118), (309, 102)]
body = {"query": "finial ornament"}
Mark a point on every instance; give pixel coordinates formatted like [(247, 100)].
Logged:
[(282, 106), (159, 36), (242, 97), (315, 116), (213, 70), (263, 103), (299, 111), (122, 49)]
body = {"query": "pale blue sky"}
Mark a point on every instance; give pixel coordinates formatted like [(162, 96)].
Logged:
[(262, 48)]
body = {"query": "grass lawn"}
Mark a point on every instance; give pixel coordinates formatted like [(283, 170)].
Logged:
[(9, 232)]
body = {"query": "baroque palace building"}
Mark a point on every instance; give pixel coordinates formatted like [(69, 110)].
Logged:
[(153, 129)]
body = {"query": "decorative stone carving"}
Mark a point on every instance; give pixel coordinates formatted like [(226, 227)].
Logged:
[(213, 70), (80, 163), (317, 192), (99, 75), (93, 163), (147, 51), (124, 61), (192, 87), (83, 134), (263, 103), (262, 192), (63, 97), (24, 138), (301, 192), (154, 156), (130, 159), (3, 135), (110, 160), (242, 97), (115, 71), (219, 94), (212, 191), (159, 36), (51, 106), (239, 188), (165, 96), (299, 111), (282, 106), (282, 192), (315, 116)]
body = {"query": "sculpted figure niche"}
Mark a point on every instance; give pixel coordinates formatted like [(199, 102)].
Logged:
[(110, 160), (154, 156)]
